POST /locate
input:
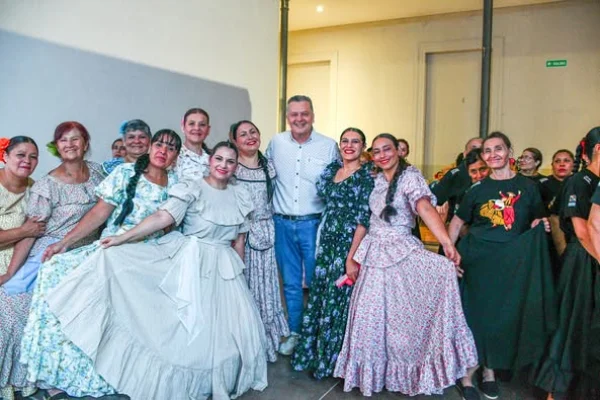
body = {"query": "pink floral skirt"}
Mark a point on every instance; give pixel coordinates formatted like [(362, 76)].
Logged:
[(406, 329)]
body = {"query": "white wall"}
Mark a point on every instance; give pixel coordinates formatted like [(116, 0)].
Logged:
[(229, 41), (377, 71)]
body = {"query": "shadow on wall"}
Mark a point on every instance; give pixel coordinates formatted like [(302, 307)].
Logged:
[(43, 84)]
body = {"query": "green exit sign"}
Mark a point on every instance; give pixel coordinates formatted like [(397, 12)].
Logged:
[(556, 63)]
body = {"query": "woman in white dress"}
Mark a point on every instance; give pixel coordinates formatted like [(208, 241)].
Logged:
[(173, 318)]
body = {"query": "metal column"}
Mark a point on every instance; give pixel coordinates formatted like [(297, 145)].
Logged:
[(283, 53), (486, 67)]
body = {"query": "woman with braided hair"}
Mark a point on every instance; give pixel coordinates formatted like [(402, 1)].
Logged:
[(173, 318), (406, 329), (571, 366), (128, 195), (257, 174)]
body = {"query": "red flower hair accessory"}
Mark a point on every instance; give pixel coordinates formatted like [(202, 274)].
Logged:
[(4, 142)]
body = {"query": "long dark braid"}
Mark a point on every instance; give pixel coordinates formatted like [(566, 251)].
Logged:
[(140, 166), (389, 210), (264, 164), (586, 146)]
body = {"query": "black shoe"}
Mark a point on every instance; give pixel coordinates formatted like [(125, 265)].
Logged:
[(490, 389), (467, 392)]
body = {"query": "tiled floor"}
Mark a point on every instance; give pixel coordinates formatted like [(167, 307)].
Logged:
[(287, 384)]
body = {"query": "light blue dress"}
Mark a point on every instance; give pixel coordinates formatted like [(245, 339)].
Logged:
[(52, 360)]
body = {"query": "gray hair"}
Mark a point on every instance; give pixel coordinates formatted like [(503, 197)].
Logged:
[(299, 98)]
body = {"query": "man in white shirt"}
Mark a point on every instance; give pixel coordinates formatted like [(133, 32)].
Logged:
[(299, 155)]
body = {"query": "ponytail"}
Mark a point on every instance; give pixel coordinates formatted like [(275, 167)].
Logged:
[(579, 162), (140, 166), (389, 210)]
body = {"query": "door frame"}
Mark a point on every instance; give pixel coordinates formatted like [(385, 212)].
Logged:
[(453, 46), (319, 57)]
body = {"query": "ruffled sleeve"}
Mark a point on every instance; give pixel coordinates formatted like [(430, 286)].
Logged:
[(113, 189), (181, 195), (324, 182), (415, 188), (39, 203), (245, 206)]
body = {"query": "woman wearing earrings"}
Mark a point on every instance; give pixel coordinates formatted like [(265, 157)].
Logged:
[(344, 187), (257, 174), (406, 330), (130, 193), (571, 367), (173, 318), (20, 158), (193, 159), (136, 137), (508, 299)]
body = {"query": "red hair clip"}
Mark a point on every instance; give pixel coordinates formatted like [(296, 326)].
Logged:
[(4, 142)]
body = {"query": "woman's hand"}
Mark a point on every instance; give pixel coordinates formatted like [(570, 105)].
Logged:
[(544, 220), (452, 254), (352, 269), (111, 241), (56, 248), (33, 227)]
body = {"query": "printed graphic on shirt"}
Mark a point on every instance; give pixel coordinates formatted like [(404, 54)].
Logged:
[(501, 211), (572, 201)]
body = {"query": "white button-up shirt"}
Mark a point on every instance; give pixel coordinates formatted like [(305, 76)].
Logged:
[(298, 167)]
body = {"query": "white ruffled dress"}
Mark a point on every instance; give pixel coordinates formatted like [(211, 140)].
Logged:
[(172, 318)]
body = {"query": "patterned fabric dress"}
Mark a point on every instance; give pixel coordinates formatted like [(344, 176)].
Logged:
[(50, 357), (191, 165), (13, 309), (324, 320), (406, 328), (261, 268)]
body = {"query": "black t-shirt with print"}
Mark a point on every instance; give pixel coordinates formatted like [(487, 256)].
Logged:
[(452, 187), (500, 210), (549, 189)]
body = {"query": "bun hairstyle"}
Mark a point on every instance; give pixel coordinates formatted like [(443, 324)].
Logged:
[(7, 145), (586, 147), (198, 110), (501, 136), (389, 210), (227, 144), (139, 167), (262, 160), (360, 133)]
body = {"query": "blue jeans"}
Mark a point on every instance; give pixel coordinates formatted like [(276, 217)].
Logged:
[(295, 246)]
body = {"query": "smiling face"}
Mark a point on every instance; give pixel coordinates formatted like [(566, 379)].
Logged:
[(478, 171), (195, 128), (22, 160), (136, 143), (351, 146), (562, 165), (223, 163), (72, 145), (247, 139), (300, 117), (163, 152), (495, 153), (385, 154)]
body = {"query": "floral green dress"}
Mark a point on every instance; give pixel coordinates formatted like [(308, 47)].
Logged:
[(53, 360), (324, 320)]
